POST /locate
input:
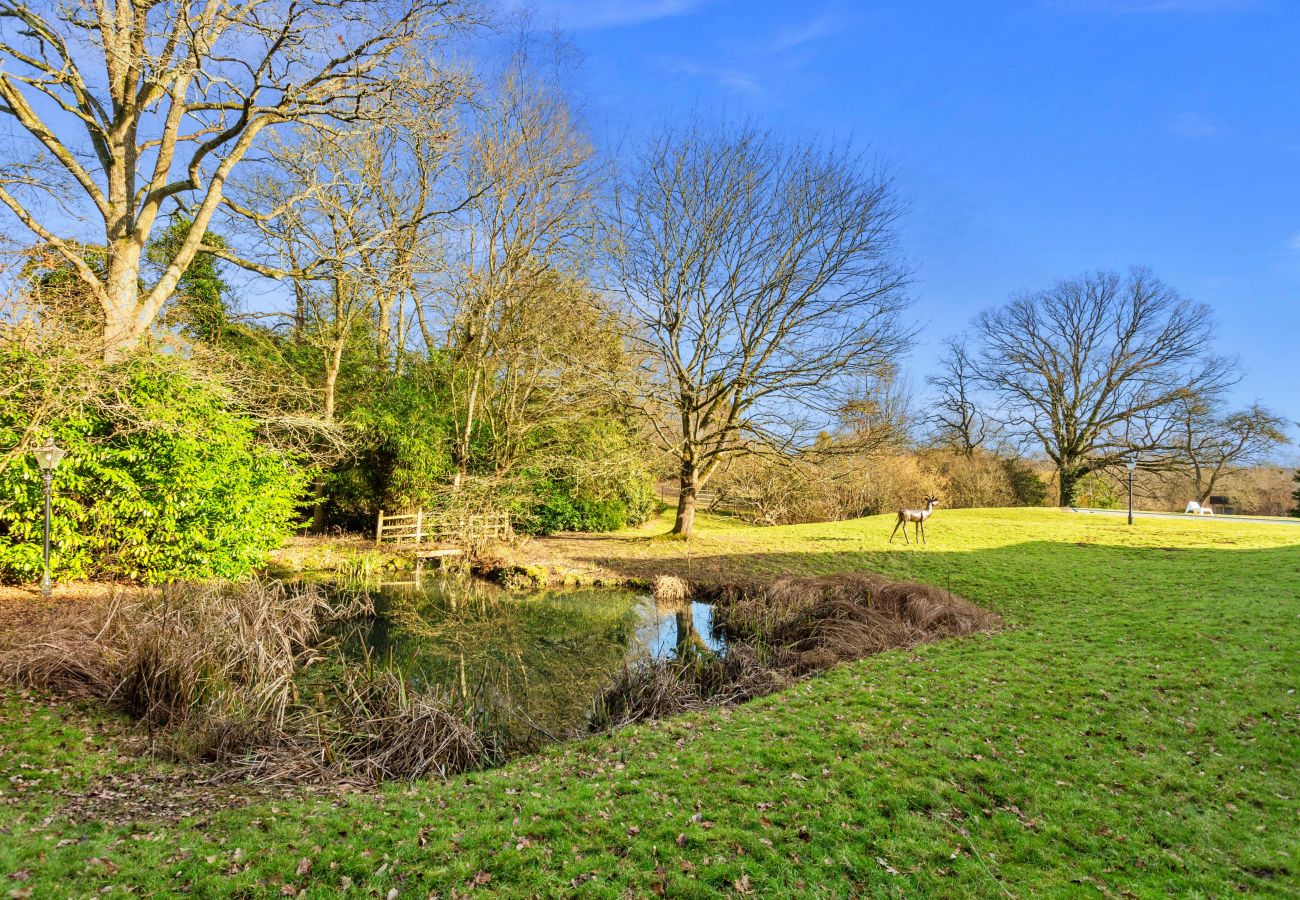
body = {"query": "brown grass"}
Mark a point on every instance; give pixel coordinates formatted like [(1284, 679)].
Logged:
[(670, 591), (56, 651), (788, 629), (213, 670), (813, 623)]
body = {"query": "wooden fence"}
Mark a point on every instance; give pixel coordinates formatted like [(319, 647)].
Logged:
[(469, 529)]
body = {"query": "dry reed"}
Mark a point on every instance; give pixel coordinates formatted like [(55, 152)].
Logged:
[(670, 591), (813, 623), (213, 670), (780, 632)]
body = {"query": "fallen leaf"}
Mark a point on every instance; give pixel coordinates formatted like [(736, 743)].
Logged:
[(304, 866)]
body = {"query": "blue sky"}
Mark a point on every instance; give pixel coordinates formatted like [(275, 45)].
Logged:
[(1031, 139)]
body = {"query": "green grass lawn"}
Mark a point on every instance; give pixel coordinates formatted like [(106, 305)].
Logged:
[(1135, 731)]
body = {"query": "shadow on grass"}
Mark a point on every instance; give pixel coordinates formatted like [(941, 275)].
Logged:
[(1019, 580)]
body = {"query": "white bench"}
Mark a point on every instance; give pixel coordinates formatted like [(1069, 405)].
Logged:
[(1195, 509)]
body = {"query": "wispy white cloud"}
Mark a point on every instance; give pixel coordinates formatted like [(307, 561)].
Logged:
[(1293, 243), (1141, 7), (595, 14), (807, 32), (727, 77), (1196, 125)]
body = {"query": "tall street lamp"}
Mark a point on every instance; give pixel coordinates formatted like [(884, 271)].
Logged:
[(47, 458), (1132, 464)]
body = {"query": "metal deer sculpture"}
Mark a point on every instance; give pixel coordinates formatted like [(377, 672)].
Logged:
[(917, 516)]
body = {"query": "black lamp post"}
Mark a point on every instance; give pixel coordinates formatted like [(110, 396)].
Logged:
[(47, 458), (1132, 464)]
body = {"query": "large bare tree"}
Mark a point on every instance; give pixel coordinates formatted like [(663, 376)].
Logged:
[(956, 416), (126, 105), (765, 284), (1093, 368), (1208, 443)]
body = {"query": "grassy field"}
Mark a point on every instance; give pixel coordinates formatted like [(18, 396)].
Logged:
[(1135, 731)]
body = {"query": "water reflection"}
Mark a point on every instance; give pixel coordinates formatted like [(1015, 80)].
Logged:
[(667, 631), (528, 665)]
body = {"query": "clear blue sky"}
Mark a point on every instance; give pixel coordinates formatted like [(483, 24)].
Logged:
[(1032, 139)]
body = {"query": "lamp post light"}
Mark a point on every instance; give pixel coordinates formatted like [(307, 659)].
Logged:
[(47, 458), (1132, 464)]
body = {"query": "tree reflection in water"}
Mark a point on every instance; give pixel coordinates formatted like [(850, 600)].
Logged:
[(527, 666)]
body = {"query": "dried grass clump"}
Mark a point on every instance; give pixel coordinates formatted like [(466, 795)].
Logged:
[(780, 632), (816, 622), (385, 730), (222, 654), (213, 670), (670, 591), (371, 728), (655, 689), (66, 660), (659, 688)]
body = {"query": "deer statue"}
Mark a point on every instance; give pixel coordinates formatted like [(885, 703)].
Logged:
[(914, 515)]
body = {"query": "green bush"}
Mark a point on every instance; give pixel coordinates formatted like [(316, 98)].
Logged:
[(163, 479), (1096, 491), (401, 439), (554, 502), (597, 480), (561, 512), (1029, 489)]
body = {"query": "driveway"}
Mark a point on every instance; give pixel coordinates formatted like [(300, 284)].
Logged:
[(1265, 520)]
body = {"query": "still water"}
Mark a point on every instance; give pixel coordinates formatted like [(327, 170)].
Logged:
[(530, 665)]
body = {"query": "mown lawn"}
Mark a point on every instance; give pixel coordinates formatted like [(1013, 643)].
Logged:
[(1135, 731)]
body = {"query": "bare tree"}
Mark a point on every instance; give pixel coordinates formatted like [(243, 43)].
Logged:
[(765, 284), (957, 419), (1093, 367), (342, 215), (185, 89), (1208, 444), (517, 256)]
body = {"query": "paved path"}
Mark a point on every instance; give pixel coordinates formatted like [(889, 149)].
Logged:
[(1169, 515)]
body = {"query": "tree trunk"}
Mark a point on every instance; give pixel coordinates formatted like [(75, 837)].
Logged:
[(464, 439), (1068, 476), (689, 641), (332, 366), (1204, 493), (686, 500), (122, 329)]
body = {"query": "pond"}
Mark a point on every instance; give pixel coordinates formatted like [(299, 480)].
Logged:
[(528, 666)]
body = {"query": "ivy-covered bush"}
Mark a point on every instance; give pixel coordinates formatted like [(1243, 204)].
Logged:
[(163, 479), (599, 482), (560, 511), (400, 459)]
